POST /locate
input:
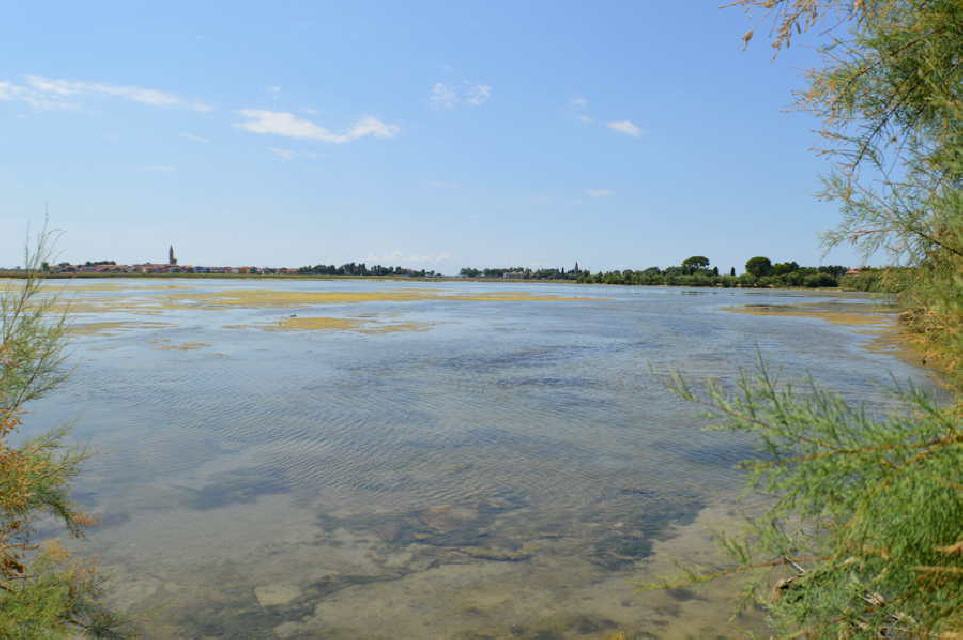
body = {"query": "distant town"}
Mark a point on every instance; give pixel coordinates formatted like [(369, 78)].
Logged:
[(110, 267)]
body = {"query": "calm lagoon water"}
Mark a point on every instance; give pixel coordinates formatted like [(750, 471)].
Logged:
[(463, 460)]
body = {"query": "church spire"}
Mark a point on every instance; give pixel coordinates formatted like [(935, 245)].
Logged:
[(171, 260)]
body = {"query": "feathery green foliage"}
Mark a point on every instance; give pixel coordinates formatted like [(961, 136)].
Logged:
[(866, 524), (43, 592)]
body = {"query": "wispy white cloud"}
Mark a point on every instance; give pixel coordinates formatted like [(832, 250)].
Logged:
[(403, 258), (447, 96), (626, 127), (52, 93), (281, 123), (284, 154), (13, 92), (443, 96), (580, 105), (478, 94), (159, 168), (287, 153), (599, 193), (193, 137)]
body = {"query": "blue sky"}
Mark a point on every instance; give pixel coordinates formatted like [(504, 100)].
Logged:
[(431, 134)]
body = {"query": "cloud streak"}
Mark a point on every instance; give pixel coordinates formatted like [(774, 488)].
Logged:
[(580, 106), (599, 193), (288, 125), (284, 154), (446, 96), (626, 127), (44, 93)]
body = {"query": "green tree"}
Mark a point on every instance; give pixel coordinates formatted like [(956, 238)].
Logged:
[(43, 592), (782, 268), (759, 266), (695, 263)]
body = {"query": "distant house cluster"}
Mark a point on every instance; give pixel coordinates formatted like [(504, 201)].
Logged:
[(171, 266), (148, 267), (524, 273)]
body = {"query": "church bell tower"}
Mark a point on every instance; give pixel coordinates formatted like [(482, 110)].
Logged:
[(171, 260)]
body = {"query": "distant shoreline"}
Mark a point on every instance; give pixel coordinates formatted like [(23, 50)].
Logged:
[(15, 274), (133, 275)]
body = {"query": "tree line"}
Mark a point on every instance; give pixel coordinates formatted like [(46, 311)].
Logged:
[(696, 271), (361, 270)]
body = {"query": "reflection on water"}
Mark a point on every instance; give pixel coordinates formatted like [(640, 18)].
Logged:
[(512, 469)]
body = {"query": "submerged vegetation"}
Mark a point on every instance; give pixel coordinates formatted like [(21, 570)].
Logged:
[(44, 593), (865, 533)]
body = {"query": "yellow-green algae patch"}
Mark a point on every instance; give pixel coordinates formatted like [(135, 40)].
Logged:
[(316, 323), (91, 328), (141, 302), (879, 320), (904, 344), (100, 305), (266, 298), (515, 296), (327, 323), (398, 326), (180, 346), (853, 314), (87, 287)]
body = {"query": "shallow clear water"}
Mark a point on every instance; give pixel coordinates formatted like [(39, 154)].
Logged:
[(510, 469)]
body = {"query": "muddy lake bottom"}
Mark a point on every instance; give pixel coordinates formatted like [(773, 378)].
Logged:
[(356, 459)]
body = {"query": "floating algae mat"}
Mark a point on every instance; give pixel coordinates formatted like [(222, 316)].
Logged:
[(149, 305), (316, 323), (161, 298), (93, 287), (180, 346), (397, 326), (325, 323), (91, 328), (836, 312), (268, 298)]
